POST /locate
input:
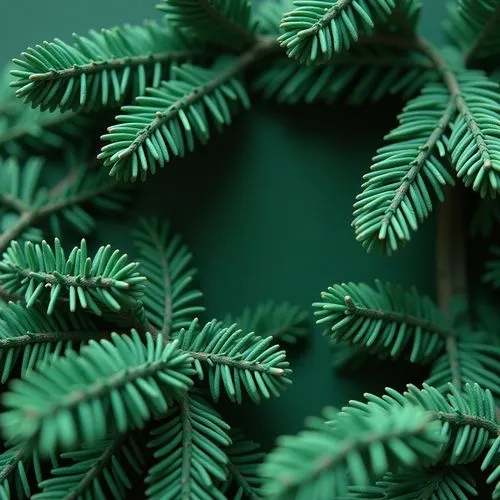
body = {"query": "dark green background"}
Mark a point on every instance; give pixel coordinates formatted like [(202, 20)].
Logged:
[(266, 208)]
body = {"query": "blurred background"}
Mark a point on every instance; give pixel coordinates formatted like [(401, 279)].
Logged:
[(266, 209)]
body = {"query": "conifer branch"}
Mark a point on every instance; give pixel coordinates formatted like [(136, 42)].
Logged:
[(489, 27), (243, 62), (117, 64), (397, 317)]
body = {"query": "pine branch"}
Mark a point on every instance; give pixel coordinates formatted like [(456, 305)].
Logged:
[(188, 102), (217, 21), (14, 467), (119, 63), (473, 26), (34, 337), (189, 452), (40, 272), (81, 186), (396, 193), (386, 320), (473, 143), (118, 385), (368, 72), (314, 31), (323, 460), (170, 302), (244, 459), (283, 322), (236, 360), (453, 483), (95, 468)]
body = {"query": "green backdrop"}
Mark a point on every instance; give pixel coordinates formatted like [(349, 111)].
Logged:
[(265, 208)]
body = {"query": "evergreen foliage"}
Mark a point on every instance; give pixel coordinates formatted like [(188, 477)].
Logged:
[(112, 371)]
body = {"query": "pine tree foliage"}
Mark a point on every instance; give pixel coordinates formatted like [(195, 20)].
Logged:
[(169, 300), (16, 463), (86, 393), (385, 319), (407, 175), (101, 69), (30, 336), (25, 202), (364, 441), (475, 138), (41, 272), (286, 323), (476, 360), (314, 31), (189, 452), (492, 460), (243, 479), (235, 360), (99, 471), (320, 461), (226, 23), (473, 26), (111, 386), (364, 74), (192, 102), (25, 130), (447, 483)]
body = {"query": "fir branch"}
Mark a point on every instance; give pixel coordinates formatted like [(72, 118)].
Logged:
[(354, 448), (473, 26), (284, 322), (244, 460), (121, 62), (14, 463), (189, 452), (81, 186), (368, 72), (95, 467), (385, 320), (111, 375), (217, 21), (41, 272), (235, 360), (169, 300), (471, 86), (314, 31), (148, 137), (487, 33), (32, 336)]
